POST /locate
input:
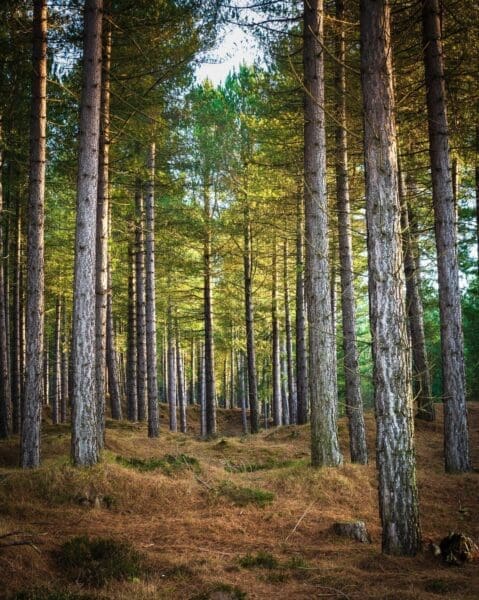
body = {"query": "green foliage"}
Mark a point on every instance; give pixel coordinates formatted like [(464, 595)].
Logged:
[(169, 464), (242, 496), (262, 559), (96, 561), (470, 315)]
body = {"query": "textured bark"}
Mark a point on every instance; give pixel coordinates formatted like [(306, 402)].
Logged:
[(242, 384), (57, 366), (172, 382), (181, 388), (249, 320), (291, 384), (192, 389), (477, 192), (85, 449), (152, 374), (209, 350), (421, 379), (202, 394), (141, 365), (46, 373), (102, 213), (392, 380), (354, 401), (131, 358), (15, 347), (5, 387), (456, 437), (300, 325), (286, 419), (64, 397), (112, 362), (276, 352), (32, 400), (322, 351)]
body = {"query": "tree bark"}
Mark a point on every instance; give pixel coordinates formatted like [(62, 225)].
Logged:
[(456, 436), (85, 450), (276, 352), (5, 387), (291, 384), (152, 371), (398, 502), (32, 402), (141, 367), (172, 380), (102, 229), (15, 347), (354, 401), (322, 352), (57, 372), (209, 350), (249, 320), (301, 357), (131, 358), (181, 389), (64, 366)]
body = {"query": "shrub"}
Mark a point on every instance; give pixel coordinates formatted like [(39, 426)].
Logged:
[(96, 561), (242, 496), (264, 560)]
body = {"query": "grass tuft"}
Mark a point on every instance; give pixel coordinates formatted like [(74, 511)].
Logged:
[(41, 593), (96, 561), (242, 496), (264, 560), (271, 463), (169, 464), (223, 590)]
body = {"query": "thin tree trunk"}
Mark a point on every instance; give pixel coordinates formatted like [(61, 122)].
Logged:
[(291, 384), (112, 361), (15, 361), (46, 373), (301, 358), (181, 390), (286, 419), (209, 350), (249, 320), (141, 367), (242, 383), (64, 366), (5, 387), (398, 502), (477, 192), (276, 352), (322, 351), (202, 381), (152, 374), (85, 450), (421, 380), (57, 372), (354, 402), (192, 394), (32, 403), (102, 229), (172, 379), (456, 436), (131, 358)]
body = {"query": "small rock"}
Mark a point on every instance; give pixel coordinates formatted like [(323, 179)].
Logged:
[(356, 530)]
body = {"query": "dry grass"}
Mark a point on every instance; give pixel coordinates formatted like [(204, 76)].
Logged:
[(194, 537)]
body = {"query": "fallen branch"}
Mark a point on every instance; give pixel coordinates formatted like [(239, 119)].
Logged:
[(299, 521)]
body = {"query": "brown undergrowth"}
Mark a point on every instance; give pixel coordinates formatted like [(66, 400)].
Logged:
[(222, 500)]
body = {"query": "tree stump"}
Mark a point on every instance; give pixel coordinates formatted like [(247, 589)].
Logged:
[(356, 530)]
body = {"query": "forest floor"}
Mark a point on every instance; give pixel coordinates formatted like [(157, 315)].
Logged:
[(230, 518)]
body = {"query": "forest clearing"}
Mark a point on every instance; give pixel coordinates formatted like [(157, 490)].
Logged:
[(195, 533)]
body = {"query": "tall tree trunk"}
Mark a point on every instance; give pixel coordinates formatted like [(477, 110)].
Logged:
[(172, 379), (392, 380), (210, 388), (102, 229), (5, 387), (301, 357), (354, 401), (456, 437), (477, 192), (64, 366), (131, 358), (181, 389), (242, 384), (192, 390), (249, 320), (112, 360), (57, 372), (15, 347), (286, 419), (141, 367), (322, 351), (85, 450), (292, 406), (421, 380), (202, 394), (152, 374), (276, 352), (32, 403)]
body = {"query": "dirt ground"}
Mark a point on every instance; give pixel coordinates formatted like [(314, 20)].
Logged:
[(196, 524)]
